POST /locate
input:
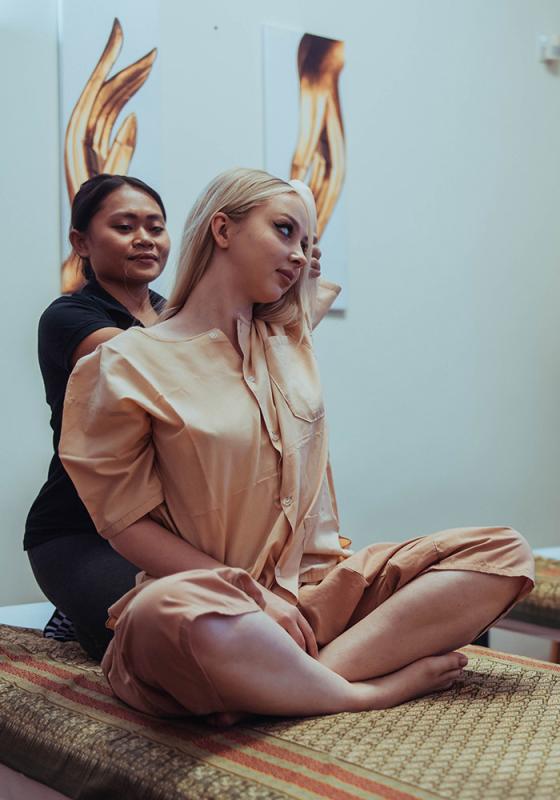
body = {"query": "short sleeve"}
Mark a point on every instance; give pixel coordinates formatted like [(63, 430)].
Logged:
[(325, 295), (66, 323), (106, 443)]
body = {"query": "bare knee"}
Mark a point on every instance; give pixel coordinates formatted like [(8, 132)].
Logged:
[(213, 634), (218, 639), (496, 594), (503, 590)]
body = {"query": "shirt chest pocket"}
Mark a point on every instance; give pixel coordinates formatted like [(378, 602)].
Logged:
[(294, 372)]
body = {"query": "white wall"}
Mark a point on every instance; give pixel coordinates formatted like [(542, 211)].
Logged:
[(29, 220), (443, 378)]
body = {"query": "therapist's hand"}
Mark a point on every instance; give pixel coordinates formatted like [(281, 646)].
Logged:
[(315, 264), (292, 620)]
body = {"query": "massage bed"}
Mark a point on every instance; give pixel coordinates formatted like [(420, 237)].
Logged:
[(494, 737), (539, 613)]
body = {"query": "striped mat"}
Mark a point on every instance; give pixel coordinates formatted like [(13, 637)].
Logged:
[(495, 737), (542, 606)]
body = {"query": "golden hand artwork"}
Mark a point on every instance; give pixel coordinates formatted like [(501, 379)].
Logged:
[(320, 157), (90, 147)]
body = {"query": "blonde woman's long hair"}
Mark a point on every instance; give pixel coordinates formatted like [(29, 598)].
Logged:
[(235, 193)]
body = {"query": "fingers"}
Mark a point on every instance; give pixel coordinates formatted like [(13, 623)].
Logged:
[(309, 636), (315, 263), (292, 621), (314, 270), (296, 633), (301, 632)]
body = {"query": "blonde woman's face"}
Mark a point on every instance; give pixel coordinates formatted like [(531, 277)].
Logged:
[(268, 248)]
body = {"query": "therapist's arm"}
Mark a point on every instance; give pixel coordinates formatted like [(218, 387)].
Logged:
[(91, 341)]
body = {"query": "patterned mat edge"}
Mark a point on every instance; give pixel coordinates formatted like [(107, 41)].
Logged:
[(283, 768), (523, 661), (547, 566), (287, 768)]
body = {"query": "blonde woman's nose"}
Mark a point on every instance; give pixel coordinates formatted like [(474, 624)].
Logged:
[(298, 258)]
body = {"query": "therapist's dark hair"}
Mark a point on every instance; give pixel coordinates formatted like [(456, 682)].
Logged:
[(92, 193)]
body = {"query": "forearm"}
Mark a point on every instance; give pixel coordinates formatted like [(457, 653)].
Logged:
[(157, 551)]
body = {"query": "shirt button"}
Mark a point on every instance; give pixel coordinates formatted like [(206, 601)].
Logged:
[(287, 501), (274, 436), (213, 334), (251, 378)]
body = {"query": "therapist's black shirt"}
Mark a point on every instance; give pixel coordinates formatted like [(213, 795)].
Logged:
[(57, 510)]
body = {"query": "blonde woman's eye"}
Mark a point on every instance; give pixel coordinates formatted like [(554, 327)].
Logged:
[(285, 228)]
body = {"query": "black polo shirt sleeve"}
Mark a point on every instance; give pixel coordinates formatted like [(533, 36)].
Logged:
[(66, 323)]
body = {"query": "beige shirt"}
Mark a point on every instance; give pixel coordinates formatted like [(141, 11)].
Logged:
[(229, 453)]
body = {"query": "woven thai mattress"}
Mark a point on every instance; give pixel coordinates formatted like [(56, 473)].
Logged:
[(542, 606), (495, 737)]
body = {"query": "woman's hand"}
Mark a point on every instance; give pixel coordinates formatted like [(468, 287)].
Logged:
[(292, 620), (315, 263)]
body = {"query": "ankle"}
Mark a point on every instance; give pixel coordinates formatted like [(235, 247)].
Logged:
[(371, 696)]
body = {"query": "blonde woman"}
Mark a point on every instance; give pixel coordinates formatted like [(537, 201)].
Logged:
[(199, 447)]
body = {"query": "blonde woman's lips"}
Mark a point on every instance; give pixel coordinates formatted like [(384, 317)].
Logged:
[(287, 274)]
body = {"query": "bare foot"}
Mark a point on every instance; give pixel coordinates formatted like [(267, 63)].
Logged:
[(224, 719), (431, 674)]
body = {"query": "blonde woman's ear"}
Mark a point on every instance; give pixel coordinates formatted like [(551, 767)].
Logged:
[(221, 229)]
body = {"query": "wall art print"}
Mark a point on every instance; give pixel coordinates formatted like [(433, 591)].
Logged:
[(304, 130), (110, 100)]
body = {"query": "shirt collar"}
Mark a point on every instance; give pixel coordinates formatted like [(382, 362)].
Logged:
[(94, 289)]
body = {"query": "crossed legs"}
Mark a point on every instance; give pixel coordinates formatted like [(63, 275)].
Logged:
[(433, 614), (404, 616), (401, 650)]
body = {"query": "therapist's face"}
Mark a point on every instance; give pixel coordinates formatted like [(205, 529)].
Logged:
[(126, 241)]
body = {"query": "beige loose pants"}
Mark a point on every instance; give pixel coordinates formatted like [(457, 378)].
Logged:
[(152, 665)]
